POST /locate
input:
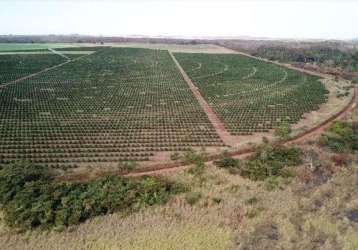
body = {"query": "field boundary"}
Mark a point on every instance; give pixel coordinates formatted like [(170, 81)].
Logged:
[(168, 167), (286, 65), (213, 118), (40, 72), (161, 169)]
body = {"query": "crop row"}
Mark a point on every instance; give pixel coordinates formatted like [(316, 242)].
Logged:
[(95, 109), (16, 66), (250, 95)]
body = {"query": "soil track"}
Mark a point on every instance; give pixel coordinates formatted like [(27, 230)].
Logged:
[(164, 169), (215, 121), (161, 169)]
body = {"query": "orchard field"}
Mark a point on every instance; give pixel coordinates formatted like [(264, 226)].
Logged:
[(114, 105), (252, 96), (103, 105)]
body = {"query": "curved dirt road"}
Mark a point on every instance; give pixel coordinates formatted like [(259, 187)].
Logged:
[(297, 139)]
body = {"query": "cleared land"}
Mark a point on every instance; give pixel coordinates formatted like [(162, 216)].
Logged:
[(194, 48)]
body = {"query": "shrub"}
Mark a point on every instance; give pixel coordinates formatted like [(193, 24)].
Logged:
[(341, 137), (191, 157), (251, 213), (283, 131), (217, 200), (175, 156), (227, 162), (251, 201), (271, 161), (197, 169), (30, 197), (193, 197), (265, 162)]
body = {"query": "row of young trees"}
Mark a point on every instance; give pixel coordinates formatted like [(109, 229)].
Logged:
[(248, 100), (116, 104)]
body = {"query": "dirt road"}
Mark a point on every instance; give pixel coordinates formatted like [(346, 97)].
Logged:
[(215, 121)]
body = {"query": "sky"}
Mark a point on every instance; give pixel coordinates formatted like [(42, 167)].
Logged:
[(330, 19)]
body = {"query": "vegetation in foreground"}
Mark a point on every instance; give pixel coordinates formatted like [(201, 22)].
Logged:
[(30, 197), (307, 213), (316, 208), (341, 137), (267, 161)]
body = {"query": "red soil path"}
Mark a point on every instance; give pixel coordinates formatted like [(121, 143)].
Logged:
[(168, 168), (215, 121)]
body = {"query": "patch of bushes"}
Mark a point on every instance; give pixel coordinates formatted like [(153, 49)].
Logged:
[(341, 137), (229, 163), (267, 161), (192, 157), (30, 197), (271, 161), (283, 131), (197, 160), (193, 197), (217, 200)]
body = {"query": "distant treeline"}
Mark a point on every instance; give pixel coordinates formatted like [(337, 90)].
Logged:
[(91, 39), (323, 56), (342, 55)]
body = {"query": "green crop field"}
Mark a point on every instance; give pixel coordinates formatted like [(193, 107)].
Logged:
[(13, 67), (31, 46), (111, 106), (250, 95), (127, 104)]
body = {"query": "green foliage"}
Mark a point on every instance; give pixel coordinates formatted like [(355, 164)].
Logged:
[(251, 213), (271, 161), (283, 131), (98, 94), (341, 137), (31, 198), (198, 168), (197, 159), (265, 162), (243, 91), (322, 55), (252, 201), (192, 157), (229, 163), (217, 200), (13, 67)]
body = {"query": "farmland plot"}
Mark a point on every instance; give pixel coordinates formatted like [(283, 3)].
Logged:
[(249, 95), (15, 66), (111, 106)]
